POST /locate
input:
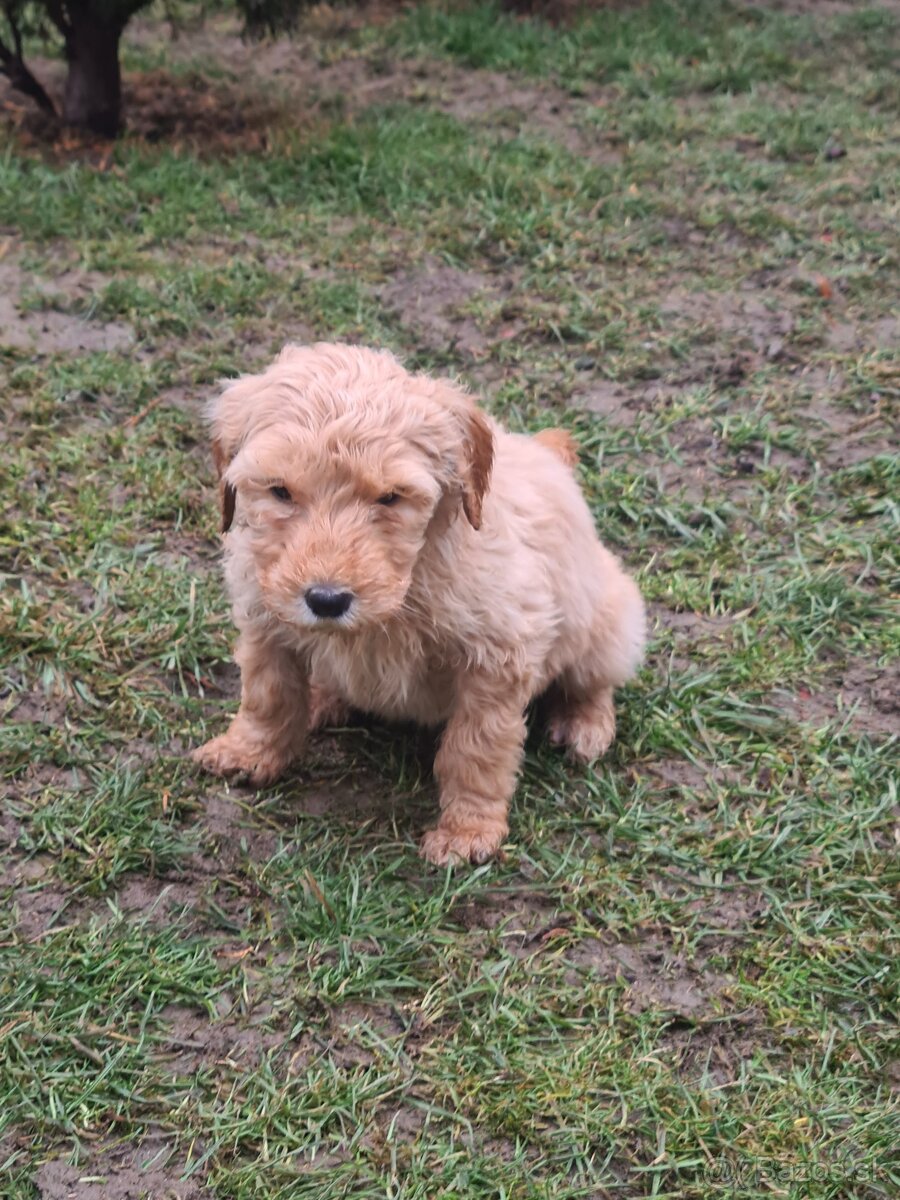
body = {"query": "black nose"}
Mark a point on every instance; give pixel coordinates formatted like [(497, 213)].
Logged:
[(324, 601)]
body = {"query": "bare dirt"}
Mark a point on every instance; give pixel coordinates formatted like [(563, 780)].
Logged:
[(122, 1171), (435, 298), (720, 1051), (193, 1042), (654, 976), (38, 911), (865, 696), (43, 326), (612, 401)]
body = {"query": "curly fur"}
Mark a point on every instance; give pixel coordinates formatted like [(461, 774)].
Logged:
[(476, 576)]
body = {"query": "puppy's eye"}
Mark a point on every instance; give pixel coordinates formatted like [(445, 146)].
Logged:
[(280, 493), (388, 499)]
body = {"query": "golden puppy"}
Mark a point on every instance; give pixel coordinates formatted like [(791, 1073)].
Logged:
[(389, 547)]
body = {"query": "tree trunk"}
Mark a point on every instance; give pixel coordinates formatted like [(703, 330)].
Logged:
[(93, 95)]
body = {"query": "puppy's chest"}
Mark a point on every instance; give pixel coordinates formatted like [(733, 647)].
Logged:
[(388, 674)]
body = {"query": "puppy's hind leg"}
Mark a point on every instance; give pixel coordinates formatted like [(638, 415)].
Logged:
[(583, 715), (325, 708), (584, 718)]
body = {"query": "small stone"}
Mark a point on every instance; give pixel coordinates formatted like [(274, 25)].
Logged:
[(585, 363)]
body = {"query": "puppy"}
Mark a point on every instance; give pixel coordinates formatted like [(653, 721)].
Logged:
[(389, 547)]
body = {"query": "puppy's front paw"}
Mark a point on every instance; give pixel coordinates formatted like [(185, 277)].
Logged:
[(232, 754), (472, 844)]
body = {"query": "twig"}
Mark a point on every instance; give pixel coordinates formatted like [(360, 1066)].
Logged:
[(137, 417), (87, 1051)]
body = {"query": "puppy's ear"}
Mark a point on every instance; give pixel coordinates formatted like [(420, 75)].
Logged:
[(477, 460), (225, 417), (227, 494), (233, 413)]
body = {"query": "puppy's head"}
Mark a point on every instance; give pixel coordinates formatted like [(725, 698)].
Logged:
[(334, 464)]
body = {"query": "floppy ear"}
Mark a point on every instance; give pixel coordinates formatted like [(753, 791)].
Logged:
[(469, 455), (227, 494), (232, 413), (226, 414), (477, 460)]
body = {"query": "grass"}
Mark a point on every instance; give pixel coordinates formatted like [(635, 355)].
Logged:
[(669, 227)]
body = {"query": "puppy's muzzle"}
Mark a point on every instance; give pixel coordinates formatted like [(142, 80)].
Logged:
[(327, 603)]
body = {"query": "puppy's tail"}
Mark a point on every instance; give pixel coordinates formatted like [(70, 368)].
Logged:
[(561, 442)]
